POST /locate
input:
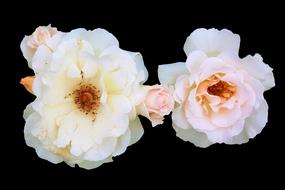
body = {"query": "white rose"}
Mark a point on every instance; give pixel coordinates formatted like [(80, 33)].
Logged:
[(219, 96), (85, 112)]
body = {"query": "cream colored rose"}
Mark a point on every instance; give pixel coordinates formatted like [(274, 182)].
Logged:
[(85, 107), (219, 96), (158, 102), (38, 47)]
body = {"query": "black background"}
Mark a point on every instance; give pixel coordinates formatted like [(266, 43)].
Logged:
[(158, 32)]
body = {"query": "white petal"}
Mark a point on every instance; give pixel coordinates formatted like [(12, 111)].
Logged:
[(212, 41), (102, 39), (41, 59), (168, 73), (119, 103), (143, 73), (193, 136), (259, 70)]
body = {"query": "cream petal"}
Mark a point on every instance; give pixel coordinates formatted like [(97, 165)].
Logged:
[(193, 136), (212, 41), (90, 64), (67, 127), (31, 122), (119, 103), (93, 164), (120, 124), (28, 111), (73, 72), (136, 130), (47, 155), (179, 119), (255, 66), (168, 73), (101, 151), (122, 143)]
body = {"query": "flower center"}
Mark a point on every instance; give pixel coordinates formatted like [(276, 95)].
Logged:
[(222, 89), (87, 98)]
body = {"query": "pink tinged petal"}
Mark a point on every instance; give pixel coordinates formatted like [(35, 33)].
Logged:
[(182, 88), (257, 121), (258, 89), (200, 123), (255, 66), (212, 41), (212, 66), (193, 136), (168, 73), (192, 105), (225, 117), (155, 119), (53, 42), (194, 61), (27, 51), (179, 119)]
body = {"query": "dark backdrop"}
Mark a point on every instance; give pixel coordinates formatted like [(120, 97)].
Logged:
[(159, 33)]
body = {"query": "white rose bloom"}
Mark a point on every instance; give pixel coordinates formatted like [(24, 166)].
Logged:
[(84, 112), (219, 96)]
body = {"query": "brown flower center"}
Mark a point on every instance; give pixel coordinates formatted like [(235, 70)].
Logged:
[(87, 98), (222, 89)]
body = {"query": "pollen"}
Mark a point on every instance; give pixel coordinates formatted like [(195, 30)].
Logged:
[(87, 98), (222, 89)]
